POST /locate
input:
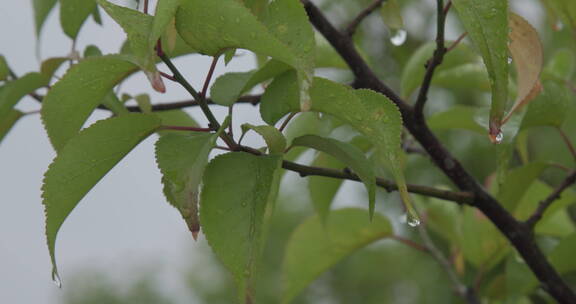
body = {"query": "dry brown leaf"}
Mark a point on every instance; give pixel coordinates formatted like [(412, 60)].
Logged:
[(526, 51)]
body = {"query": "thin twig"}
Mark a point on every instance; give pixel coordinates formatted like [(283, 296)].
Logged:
[(209, 76), (435, 61), (568, 142), (410, 243), (460, 289), (145, 6), (351, 29), (168, 76), (456, 42), (182, 128), (286, 121), (213, 123), (548, 201)]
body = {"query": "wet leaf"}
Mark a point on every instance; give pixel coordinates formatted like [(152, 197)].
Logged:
[(72, 99), (235, 220), (313, 247), (84, 161), (487, 25)]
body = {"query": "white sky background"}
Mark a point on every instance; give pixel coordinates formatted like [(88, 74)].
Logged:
[(124, 221)]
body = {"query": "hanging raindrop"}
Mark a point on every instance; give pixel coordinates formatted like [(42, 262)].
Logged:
[(398, 37), (56, 279), (413, 221), (509, 60), (499, 137)]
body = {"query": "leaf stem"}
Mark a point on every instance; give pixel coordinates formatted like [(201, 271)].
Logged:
[(410, 243), (568, 142), (548, 201), (209, 76), (435, 61), (286, 121), (351, 29), (182, 128), (456, 42)]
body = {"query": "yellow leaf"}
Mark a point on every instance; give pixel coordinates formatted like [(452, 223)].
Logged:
[(526, 51)]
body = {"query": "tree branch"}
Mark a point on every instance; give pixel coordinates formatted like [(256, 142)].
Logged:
[(556, 194), (435, 61), (351, 29), (251, 99), (518, 233), (458, 197)]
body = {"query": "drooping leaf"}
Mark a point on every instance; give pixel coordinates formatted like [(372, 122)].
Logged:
[(138, 28), (527, 55), (8, 121), (73, 13), (306, 123), (228, 87), (274, 138), (182, 159), (468, 76), (41, 10), (4, 69), (550, 108), (83, 162), (15, 90), (369, 112), (234, 220), (72, 99), (284, 33), (348, 154), (392, 15), (487, 25), (322, 189), (313, 248)]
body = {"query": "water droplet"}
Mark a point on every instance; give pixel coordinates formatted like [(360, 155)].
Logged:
[(243, 204), (499, 137), (509, 60), (398, 37), (56, 279), (413, 221)]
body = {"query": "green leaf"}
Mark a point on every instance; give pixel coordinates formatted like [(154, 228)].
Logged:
[(284, 33), (165, 13), (8, 121), (73, 13), (72, 99), (487, 25), (550, 108), (15, 90), (144, 103), (369, 112), (83, 162), (4, 69), (138, 28), (182, 159), (561, 66), (469, 76), (313, 248), (234, 220), (41, 10), (229, 87), (562, 257), (517, 181), (274, 138), (392, 15), (457, 117), (322, 189), (351, 156), (482, 243)]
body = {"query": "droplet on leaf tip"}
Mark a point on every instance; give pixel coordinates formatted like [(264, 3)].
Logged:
[(56, 279), (398, 37), (413, 221), (509, 60)]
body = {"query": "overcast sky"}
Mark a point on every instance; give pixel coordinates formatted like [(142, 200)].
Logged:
[(124, 221)]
